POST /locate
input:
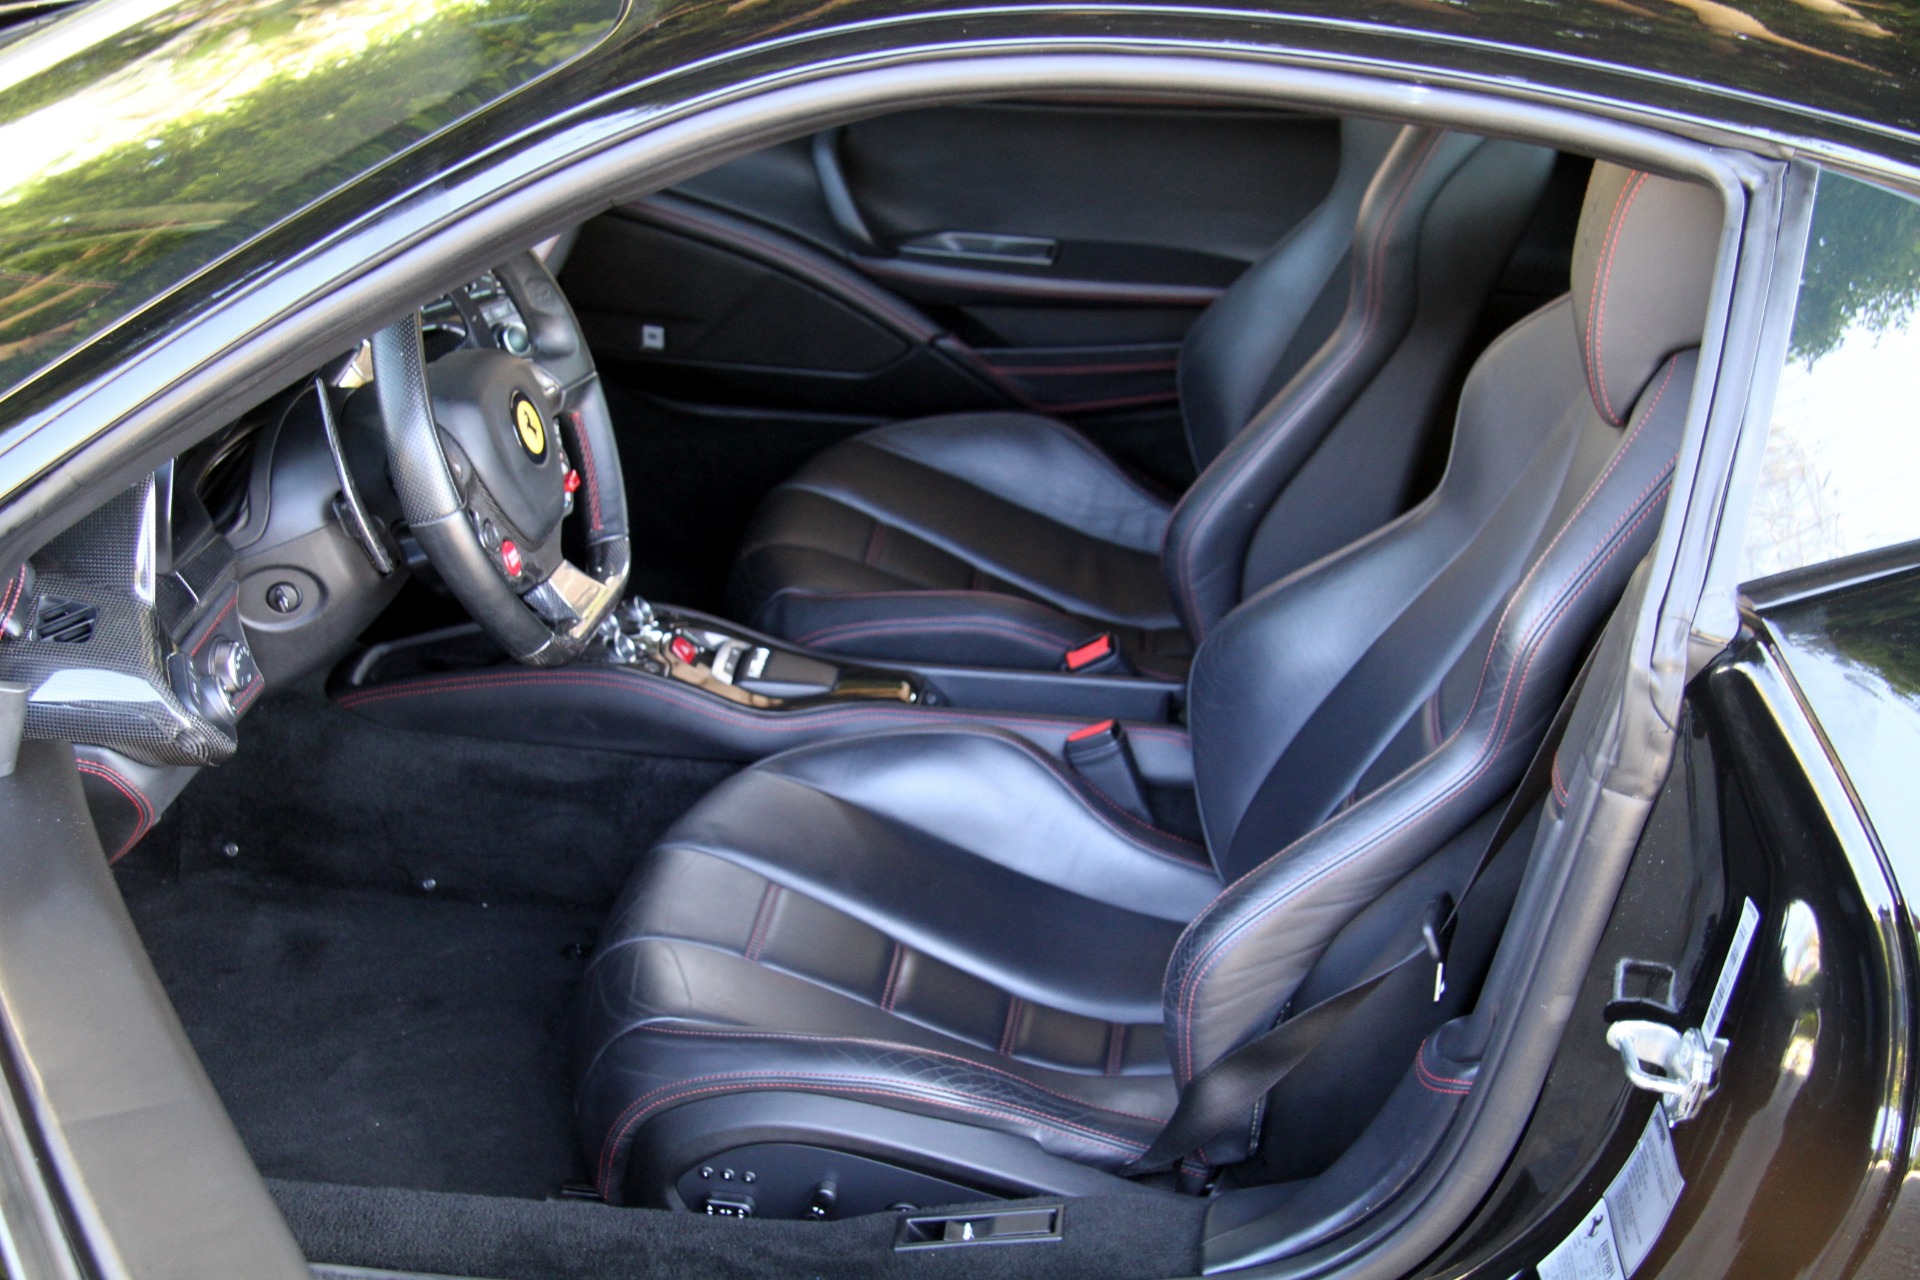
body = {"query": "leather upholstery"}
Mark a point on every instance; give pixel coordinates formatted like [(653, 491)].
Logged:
[(912, 538), (1351, 725), (952, 925), (126, 796), (1004, 539), (1635, 295), (1435, 229), (1251, 342)]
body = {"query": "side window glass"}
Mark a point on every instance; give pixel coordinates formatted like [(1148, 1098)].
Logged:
[(1841, 473)]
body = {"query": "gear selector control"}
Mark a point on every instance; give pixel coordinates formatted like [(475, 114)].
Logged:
[(697, 651)]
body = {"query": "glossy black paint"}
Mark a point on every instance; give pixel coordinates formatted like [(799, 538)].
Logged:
[(1791, 1164), (1849, 633)]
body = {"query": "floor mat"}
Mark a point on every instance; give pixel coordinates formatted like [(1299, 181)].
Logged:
[(376, 1039)]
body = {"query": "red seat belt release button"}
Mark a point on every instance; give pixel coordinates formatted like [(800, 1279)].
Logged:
[(1095, 650), (1092, 731), (1100, 755)]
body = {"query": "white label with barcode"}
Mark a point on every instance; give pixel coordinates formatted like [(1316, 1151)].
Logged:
[(1616, 1237), (1730, 971)]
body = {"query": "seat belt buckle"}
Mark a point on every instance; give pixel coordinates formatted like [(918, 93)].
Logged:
[(1099, 754), (1436, 930), (1099, 655)]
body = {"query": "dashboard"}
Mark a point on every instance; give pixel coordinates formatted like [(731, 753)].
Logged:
[(251, 561)]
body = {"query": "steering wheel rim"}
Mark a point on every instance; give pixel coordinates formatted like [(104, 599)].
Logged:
[(474, 486)]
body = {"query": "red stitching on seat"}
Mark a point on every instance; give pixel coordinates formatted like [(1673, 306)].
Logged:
[(1437, 1083), (143, 811), (762, 920), (1602, 284), (812, 1082), (1264, 441), (718, 1034), (1570, 591)]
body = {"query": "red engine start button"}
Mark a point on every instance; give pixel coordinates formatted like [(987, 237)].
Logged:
[(510, 558)]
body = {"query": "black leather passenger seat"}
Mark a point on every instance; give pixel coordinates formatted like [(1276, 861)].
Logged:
[(1005, 539), (914, 946)]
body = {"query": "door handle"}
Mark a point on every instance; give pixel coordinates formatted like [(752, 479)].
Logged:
[(984, 246)]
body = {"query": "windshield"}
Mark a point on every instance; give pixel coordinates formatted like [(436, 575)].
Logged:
[(142, 140)]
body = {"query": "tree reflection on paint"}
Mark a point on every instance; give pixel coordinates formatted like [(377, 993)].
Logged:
[(151, 154), (1863, 265)]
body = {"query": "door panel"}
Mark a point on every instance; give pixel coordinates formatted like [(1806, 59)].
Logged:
[(1217, 187), (1046, 257), (1041, 256), (1142, 208)]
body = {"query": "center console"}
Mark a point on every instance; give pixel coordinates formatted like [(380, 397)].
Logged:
[(680, 682), (753, 672)]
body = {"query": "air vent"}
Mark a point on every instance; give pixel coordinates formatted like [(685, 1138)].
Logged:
[(64, 621)]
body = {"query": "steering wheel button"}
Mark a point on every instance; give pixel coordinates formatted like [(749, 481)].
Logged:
[(510, 558), (684, 649), (573, 480)]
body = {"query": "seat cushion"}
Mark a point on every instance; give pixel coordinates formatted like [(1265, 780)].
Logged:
[(1000, 539), (937, 921)]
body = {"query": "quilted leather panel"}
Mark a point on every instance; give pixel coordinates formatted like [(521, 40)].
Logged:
[(713, 977)]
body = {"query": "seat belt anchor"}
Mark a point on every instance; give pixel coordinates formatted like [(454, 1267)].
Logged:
[(1437, 931)]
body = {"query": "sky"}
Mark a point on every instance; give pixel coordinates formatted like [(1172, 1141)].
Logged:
[(1842, 468)]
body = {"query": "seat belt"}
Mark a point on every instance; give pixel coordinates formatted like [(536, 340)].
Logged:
[(1101, 754), (1220, 1096)]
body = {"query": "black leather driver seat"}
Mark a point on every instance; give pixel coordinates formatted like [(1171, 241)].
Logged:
[(942, 950), (1005, 539)]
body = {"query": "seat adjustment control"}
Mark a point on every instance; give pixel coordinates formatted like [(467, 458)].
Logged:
[(729, 1204)]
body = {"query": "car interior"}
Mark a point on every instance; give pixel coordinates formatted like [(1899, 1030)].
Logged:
[(794, 727)]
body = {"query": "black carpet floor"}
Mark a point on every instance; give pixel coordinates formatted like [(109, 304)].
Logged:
[(395, 1057), (369, 1038), (361, 1026)]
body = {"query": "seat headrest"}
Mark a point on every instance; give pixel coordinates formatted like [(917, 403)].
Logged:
[(1642, 264)]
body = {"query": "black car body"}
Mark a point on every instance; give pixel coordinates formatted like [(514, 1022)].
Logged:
[(187, 244)]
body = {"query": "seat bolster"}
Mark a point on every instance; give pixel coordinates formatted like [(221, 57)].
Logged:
[(1243, 958), (978, 803), (711, 978), (1037, 464), (653, 1065)]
